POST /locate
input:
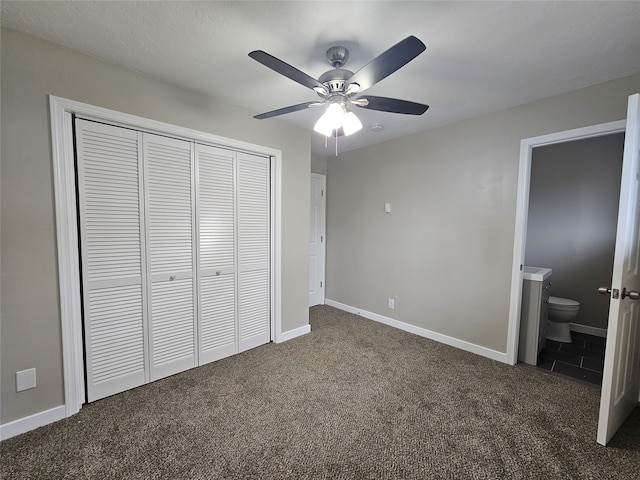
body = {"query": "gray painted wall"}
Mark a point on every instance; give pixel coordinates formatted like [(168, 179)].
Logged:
[(32, 69), (573, 212), (445, 253), (318, 164)]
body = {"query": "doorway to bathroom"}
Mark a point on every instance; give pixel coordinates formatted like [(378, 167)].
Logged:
[(574, 192), (621, 379), (538, 146)]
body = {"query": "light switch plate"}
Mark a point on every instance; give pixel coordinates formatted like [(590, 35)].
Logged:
[(25, 379), (387, 208)]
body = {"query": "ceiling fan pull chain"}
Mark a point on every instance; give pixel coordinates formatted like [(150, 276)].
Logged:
[(336, 143)]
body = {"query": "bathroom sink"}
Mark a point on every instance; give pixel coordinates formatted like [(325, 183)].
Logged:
[(539, 274)]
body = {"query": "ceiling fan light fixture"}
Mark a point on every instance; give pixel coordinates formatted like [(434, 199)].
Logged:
[(335, 115), (332, 119), (323, 127), (351, 123)]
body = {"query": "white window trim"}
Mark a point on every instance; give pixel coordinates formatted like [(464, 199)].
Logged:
[(61, 111)]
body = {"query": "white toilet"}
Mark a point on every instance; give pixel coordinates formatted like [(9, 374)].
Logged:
[(560, 311)]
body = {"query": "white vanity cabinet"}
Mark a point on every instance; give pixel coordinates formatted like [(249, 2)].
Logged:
[(533, 316)]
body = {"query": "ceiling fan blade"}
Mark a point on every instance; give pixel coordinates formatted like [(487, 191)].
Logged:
[(290, 109), (288, 71), (393, 105), (387, 62)]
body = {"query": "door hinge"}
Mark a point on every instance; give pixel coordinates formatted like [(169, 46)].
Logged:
[(322, 193), (320, 284), (321, 239)]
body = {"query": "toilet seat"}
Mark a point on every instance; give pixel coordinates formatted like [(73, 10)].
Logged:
[(563, 303)]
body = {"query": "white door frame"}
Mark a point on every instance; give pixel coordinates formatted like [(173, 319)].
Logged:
[(522, 210), (61, 111), (323, 179)]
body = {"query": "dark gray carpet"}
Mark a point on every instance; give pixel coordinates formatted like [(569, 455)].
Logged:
[(353, 399)]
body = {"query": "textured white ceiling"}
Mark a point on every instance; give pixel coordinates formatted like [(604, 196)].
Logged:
[(480, 57)]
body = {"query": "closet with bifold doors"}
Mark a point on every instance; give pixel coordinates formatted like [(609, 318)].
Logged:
[(175, 254)]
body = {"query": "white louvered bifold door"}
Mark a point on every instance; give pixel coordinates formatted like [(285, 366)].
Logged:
[(253, 186), (217, 275), (112, 252), (170, 240)]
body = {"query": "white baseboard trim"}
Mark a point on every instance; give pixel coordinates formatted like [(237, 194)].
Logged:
[(595, 331), (290, 334), (438, 337), (23, 425)]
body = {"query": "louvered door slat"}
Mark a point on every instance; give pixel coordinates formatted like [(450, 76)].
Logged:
[(172, 327), (216, 221), (253, 250), (169, 195), (218, 318), (254, 303), (168, 167), (216, 207), (111, 252)]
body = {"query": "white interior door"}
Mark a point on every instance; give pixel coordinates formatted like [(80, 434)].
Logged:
[(170, 225), (113, 271), (217, 240), (621, 376), (254, 249), (317, 240)]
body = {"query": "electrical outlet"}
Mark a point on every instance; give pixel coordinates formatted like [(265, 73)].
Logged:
[(25, 379), (392, 303)]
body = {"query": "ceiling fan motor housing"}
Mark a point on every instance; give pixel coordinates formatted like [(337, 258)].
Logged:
[(335, 80)]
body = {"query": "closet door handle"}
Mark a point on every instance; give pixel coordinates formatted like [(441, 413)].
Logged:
[(218, 272), (172, 278)]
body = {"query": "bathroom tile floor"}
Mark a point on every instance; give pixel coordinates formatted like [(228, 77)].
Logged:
[(583, 359)]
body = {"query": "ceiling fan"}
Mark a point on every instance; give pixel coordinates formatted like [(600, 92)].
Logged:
[(340, 88)]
